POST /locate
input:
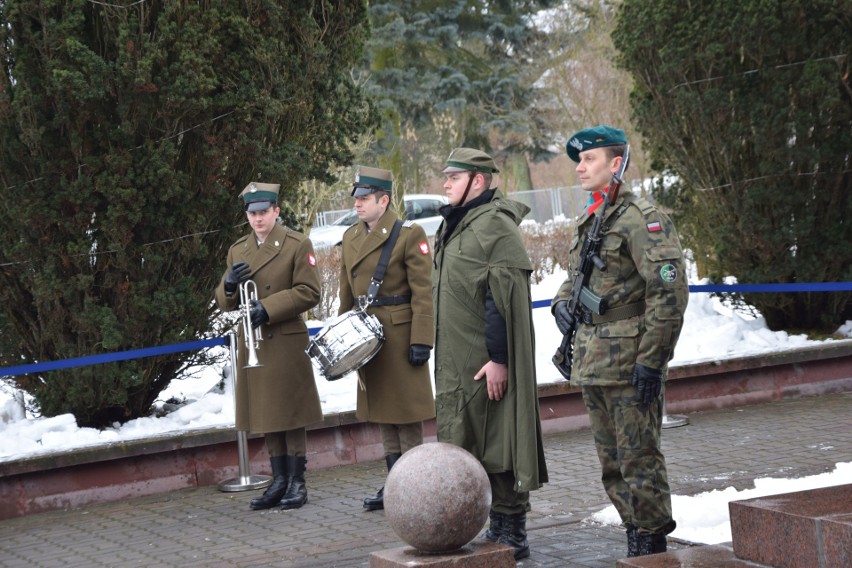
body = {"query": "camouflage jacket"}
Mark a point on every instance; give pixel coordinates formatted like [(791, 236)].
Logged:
[(644, 263)]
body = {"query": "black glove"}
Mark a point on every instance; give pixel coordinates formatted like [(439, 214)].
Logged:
[(257, 313), (564, 321), (238, 274), (648, 382), (418, 354)]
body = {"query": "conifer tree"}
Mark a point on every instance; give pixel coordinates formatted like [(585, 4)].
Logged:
[(126, 135), (750, 107), (456, 73)]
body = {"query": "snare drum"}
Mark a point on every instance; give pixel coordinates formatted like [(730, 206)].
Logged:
[(346, 343)]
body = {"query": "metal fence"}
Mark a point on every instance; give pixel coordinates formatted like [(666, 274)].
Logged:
[(329, 217), (556, 202)]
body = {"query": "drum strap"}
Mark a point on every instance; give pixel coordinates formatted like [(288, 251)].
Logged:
[(384, 259)]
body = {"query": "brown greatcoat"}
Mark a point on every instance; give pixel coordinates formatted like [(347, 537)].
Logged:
[(395, 392), (282, 394)]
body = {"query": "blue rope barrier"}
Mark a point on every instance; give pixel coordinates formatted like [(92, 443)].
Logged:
[(730, 288), (795, 287), (111, 357), (204, 343)]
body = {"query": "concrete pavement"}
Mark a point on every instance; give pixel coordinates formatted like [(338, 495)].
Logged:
[(203, 527)]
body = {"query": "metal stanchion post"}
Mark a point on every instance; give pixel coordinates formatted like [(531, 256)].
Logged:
[(674, 420), (245, 481)]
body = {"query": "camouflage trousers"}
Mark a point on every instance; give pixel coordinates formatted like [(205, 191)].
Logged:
[(633, 469)]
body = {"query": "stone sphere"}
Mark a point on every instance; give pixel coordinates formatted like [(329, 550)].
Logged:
[(437, 497)]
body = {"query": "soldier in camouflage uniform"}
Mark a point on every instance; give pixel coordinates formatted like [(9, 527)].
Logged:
[(621, 356)]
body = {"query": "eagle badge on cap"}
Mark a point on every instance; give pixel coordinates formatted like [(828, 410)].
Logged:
[(253, 188)]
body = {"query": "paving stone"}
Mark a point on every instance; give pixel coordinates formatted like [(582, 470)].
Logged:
[(206, 528)]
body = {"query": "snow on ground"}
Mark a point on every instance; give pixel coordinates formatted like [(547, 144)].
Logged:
[(704, 517)]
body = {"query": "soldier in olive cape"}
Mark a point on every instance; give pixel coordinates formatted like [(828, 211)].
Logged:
[(394, 388), (485, 378), (621, 356), (279, 398)]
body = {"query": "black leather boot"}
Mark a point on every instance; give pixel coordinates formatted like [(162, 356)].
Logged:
[(280, 481), (495, 529), (378, 502), (649, 544), (515, 534), (297, 493)]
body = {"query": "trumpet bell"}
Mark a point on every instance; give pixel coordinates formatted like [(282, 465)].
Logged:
[(252, 360), (253, 337)]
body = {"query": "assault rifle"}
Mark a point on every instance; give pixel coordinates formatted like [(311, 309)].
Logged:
[(581, 295)]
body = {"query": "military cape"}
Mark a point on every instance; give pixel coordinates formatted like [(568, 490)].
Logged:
[(486, 251)]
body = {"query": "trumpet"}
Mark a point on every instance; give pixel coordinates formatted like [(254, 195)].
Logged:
[(248, 292)]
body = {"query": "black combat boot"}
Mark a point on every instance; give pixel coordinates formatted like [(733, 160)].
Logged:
[(378, 502), (495, 529), (632, 542), (297, 493), (515, 534), (280, 481), (645, 544)]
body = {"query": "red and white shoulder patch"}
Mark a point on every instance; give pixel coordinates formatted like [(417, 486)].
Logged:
[(424, 247), (654, 227), (312, 260)]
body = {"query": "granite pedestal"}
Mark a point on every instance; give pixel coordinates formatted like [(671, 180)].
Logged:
[(789, 530), (805, 528), (477, 554)]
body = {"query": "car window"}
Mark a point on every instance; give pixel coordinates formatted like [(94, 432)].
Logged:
[(429, 208), (423, 208), (347, 220), (412, 210)]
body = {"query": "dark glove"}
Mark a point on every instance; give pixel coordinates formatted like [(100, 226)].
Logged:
[(418, 354), (257, 313), (564, 320), (238, 274), (648, 382)]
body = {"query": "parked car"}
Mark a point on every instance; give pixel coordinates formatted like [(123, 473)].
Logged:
[(421, 208)]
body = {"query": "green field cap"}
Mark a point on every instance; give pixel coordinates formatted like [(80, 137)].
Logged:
[(368, 180), (259, 196), (470, 160)]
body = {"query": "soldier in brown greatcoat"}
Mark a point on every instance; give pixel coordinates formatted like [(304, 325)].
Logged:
[(279, 398), (395, 388)]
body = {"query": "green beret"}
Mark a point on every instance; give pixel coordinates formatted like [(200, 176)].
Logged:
[(470, 160), (369, 180), (595, 137)]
